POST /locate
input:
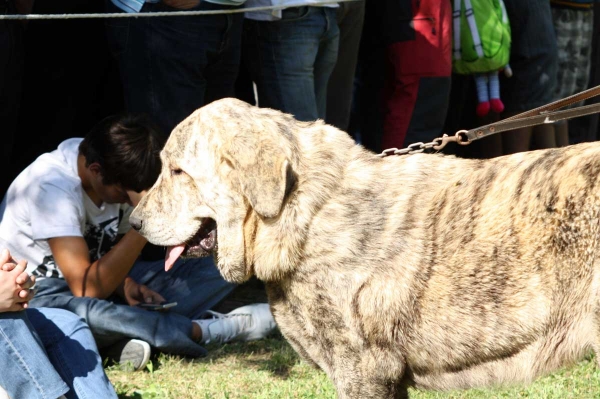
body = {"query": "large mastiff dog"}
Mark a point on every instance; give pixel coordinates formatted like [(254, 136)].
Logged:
[(422, 270)]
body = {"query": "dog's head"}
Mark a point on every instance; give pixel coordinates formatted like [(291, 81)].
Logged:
[(226, 164)]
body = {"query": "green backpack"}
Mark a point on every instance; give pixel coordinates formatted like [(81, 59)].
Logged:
[(481, 36)]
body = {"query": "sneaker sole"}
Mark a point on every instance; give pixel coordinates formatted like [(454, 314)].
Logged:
[(134, 351)]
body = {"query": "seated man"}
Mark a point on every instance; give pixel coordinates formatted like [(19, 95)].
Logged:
[(67, 215), (44, 353)]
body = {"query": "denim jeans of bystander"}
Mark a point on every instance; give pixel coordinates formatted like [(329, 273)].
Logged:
[(170, 66), (45, 353), (291, 60)]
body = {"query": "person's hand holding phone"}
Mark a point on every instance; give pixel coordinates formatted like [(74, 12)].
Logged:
[(135, 293)]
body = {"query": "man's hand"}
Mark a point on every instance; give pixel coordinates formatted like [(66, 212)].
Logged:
[(135, 293), (15, 284), (181, 4), (135, 197)]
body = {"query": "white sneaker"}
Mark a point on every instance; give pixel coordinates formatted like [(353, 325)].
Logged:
[(133, 353), (247, 323)]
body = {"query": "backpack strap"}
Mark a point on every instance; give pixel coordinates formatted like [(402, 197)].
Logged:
[(470, 14), (456, 12)]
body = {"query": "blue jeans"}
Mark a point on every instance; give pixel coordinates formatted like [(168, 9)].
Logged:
[(42, 349), (291, 60), (171, 66), (195, 285)]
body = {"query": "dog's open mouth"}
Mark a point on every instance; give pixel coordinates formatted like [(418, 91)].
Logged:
[(203, 243)]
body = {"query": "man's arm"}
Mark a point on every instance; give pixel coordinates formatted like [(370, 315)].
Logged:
[(102, 277)]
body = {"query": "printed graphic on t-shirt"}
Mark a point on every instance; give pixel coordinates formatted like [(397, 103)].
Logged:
[(47, 268), (101, 237)]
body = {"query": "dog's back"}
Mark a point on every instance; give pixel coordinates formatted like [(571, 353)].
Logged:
[(471, 272), (513, 269)]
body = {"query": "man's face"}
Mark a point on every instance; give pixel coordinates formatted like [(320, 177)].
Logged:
[(111, 193)]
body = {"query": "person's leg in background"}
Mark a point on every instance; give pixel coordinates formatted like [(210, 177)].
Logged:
[(350, 17), (574, 29), (533, 59), (26, 370), (72, 351), (366, 117), (417, 91), (291, 59), (244, 86), (585, 129), (326, 60), (222, 72), (163, 61)]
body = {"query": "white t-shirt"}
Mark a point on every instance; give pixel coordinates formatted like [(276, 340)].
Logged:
[(47, 200), (275, 15)]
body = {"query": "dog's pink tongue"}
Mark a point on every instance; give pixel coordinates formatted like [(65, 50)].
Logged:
[(173, 253)]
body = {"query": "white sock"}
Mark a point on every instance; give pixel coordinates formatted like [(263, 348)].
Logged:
[(203, 324)]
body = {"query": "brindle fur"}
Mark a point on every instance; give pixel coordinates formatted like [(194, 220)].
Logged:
[(423, 270)]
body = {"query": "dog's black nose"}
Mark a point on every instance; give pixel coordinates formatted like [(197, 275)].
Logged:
[(135, 223)]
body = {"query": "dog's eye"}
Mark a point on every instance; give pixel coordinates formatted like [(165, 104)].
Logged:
[(175, 172)]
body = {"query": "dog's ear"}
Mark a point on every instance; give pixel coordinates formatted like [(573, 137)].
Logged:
[(262, 170)]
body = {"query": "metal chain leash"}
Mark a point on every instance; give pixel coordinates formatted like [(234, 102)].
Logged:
[(546, 114), (437, 144)]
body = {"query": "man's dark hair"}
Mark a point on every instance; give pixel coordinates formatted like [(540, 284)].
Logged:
[(127, 148)]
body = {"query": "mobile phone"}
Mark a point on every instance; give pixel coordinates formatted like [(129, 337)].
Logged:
[(157, 306)]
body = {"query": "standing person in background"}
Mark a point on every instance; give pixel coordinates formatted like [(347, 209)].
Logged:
[(574, 24), (419, 68), (350, 17), (44, 353), (170, 66), (291, 54), (533, 60), (404, 72)]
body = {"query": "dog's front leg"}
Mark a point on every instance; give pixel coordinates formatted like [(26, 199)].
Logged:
[(370, 389), (367, 383)]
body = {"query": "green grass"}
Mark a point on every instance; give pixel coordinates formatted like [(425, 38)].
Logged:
[(271, 369)]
